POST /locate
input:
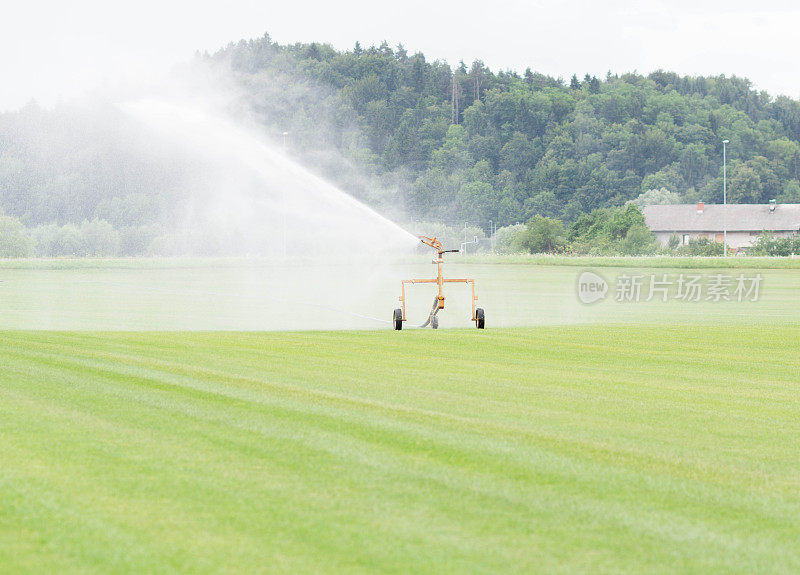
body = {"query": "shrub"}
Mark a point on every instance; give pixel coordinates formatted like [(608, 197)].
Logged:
[(638, 241), (14, 239), (54, 241), (701, 247), (506, 239), (99, 238), (674, 242), (134, 241), (620, 231), (770, 245)]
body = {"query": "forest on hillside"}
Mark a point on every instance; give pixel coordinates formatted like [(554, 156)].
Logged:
[(422, 140), (478, 145)]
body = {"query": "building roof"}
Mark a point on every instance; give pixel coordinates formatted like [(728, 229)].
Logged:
[(740, 218)]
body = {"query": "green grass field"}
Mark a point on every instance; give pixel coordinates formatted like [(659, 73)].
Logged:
[(684, 262), (599, 448), (243, 295)]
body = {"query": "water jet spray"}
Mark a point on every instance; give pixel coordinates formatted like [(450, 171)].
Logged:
[(249, 189)]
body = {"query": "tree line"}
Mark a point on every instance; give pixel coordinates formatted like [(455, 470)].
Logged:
[(471, 144), (422, 140)]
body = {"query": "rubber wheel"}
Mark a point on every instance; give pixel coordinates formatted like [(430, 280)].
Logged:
[(397, 318), (480, 318), (435, 322)]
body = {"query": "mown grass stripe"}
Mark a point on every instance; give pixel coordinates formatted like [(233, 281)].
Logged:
[(595, 448)]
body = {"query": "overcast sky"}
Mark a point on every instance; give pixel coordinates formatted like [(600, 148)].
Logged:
[(58, 49)]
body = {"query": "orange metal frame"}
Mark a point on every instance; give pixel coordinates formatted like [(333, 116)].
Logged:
[(440, 281)]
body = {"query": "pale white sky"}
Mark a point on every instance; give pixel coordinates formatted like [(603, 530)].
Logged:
[(51, 49)]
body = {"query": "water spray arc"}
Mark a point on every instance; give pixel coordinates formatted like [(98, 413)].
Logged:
[(399, 316), (250, 190)]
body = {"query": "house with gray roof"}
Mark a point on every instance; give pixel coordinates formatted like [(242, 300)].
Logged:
[(744, 222)]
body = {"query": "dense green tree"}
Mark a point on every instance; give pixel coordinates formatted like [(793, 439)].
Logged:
[(396, 129), (694, 164), (14, 239), (542, 235), (660, 197), (518, 154), (99, 238), (612, 231), (770, 183), (744, 185), (477, 202), (790, 193)]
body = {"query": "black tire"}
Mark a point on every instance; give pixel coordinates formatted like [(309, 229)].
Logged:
[(480, 320), (435, 322), (397, 318)]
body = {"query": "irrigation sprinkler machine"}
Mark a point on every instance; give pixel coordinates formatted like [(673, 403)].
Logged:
[(438, 302)]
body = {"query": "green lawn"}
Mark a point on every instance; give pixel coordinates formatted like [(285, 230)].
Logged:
[(633, 448), (685, 262), (238, 295)]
